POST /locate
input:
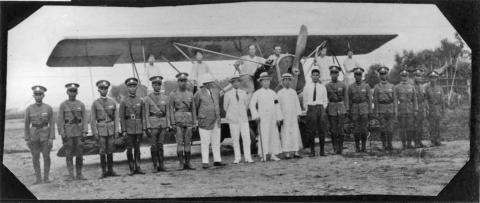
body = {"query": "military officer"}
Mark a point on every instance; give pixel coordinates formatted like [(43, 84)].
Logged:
[(133, 125), (405, 108), (336, 109), (383, 97), (360, 104), (422, 108), (40, 132), (157, 111), (105, 127), (436, 106), (183, 119), (73, 127)]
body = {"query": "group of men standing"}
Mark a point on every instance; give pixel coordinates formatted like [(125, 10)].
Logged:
[(277, 115)]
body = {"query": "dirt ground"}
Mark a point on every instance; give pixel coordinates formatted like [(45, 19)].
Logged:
[(410, 172)]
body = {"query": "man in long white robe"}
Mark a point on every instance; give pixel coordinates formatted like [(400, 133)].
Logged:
[(269, 115), (290, 107)]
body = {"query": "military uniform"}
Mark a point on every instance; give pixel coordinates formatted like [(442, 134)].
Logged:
[(422, 110), (104, 124), (383, 98), (436, 107), (360, 104), (406, 108), (183, 119), (133, 125), (72, 126), (39, 134), (157, 111), (336, 110)]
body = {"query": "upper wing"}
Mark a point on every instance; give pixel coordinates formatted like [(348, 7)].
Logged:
[(109, 51)]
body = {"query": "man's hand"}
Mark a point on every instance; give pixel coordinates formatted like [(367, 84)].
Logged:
[(124, 134), (96, 137), (280, 122), (148, 132), (50, 142), (29, 142)]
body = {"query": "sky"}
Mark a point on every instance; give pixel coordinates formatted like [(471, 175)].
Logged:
[(419, 26)]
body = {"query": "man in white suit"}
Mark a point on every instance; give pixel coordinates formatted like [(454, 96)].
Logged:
[(269, 115)]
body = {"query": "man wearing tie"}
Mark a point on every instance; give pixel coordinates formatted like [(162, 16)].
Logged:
[(235, 103), (314, 101)]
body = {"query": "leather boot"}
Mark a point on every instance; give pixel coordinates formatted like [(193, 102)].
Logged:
[(322, 146), (334, 142), (389, 141), (340, 144), (312, 150), (69, 161), (103, 164), (383, 136), (418, 139), (110, 165), (130, 162), (187, 164), (79, 165), (364, 142), (357, 142), (46, 169), (409, 139), (154, 154), (38, 172), (181, 159), (161, 165), (137, 164)]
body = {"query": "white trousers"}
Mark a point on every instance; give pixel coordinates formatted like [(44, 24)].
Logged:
[(208, 137), (237, 130)]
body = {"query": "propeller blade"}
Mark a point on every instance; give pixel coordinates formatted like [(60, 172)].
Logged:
[(299, 49)]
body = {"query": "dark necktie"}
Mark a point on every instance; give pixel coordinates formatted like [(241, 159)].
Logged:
[(315, 92), (236, 95)]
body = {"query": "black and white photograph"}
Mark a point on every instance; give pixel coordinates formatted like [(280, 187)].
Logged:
[(238, 99)]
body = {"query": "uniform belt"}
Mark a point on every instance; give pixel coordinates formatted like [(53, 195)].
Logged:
[(76, 121), (39, 125), (336, 101), (103, 120), (182, 110), (406, 102), (385, 102), (360, 102), (159, 115), (132, 117)]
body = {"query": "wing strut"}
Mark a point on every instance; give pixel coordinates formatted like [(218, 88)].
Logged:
[(134, 67), (336, 60), (218, 53)]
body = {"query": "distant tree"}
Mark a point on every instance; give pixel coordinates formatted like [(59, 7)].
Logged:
[(372, 77)]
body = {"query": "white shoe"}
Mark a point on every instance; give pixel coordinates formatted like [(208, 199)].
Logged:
[(249, 161), (236, 161), (274, 158), (263, 159)]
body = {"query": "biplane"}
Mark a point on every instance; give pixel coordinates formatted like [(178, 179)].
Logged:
[(81, 52)]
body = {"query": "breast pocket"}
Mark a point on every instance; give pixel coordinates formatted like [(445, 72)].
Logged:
[(78, 113), (68, 114), (44, 117)]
